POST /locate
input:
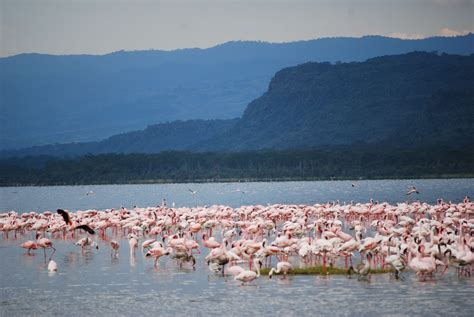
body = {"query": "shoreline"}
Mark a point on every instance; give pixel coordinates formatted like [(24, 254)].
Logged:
[(239, 180)]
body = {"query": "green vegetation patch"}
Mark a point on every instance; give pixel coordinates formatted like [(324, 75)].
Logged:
[(319, 270)]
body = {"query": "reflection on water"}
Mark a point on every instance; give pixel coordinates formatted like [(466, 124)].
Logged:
[(133, 260)]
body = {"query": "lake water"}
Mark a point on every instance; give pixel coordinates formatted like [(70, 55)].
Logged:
[(23, 199), (94, 283)]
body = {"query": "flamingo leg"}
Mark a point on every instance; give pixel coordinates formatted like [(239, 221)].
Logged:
[(54, 250)]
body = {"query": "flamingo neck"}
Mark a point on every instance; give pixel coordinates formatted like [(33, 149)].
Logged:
[(419, 255), (278, 270), (258, 268)]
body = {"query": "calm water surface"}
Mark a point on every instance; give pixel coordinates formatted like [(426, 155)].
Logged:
[(23, 199), (93, 283)]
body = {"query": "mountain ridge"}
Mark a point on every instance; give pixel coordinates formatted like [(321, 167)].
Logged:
[(244, 42), (49, 99), (407, 101), (414, 84)]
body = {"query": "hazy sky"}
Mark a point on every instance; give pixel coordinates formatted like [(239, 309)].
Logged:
[(103, 26)]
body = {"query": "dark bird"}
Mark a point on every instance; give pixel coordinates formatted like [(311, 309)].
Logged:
[(86, 228), (65, 216)]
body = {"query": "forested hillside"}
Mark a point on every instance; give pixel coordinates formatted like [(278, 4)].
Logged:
[(409, 100)]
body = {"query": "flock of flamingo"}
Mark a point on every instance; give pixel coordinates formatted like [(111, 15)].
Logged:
[(427, 239)]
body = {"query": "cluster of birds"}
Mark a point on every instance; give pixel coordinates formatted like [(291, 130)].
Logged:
[(241, 241)]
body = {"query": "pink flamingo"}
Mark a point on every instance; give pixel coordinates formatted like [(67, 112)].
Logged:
[(210, 242), (282, 267), (158, 252), (133, 243), (235, 270), (45, 243), (29, 245), (248, 276), (115, 247)]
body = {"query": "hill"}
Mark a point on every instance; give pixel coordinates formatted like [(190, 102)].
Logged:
[(400, 101), (176, 136), (49, 99)]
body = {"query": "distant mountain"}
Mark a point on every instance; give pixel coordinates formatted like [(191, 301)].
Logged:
[(405, 100), (48, 99), (176, 136), (412, 100)]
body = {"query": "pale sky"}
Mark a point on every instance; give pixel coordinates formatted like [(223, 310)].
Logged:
[(104, 26)]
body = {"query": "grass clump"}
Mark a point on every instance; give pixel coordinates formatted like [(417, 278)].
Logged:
[(319, 270)]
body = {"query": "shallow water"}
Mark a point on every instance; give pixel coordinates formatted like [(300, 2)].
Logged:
[(93, 282), (96, 283)]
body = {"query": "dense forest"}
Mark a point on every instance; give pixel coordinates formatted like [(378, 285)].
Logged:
[(315, 164)]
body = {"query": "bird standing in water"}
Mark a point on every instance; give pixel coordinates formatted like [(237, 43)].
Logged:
[(248, 276), (29, 245), (282, 267), (115, 247), (45, 243)]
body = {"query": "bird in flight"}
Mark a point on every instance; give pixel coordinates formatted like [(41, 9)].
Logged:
[(193, 192), (90, 192), (86, 228), (412, 190), (65, 215)]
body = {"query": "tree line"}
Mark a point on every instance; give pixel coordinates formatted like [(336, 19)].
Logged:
[(175, 166)]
